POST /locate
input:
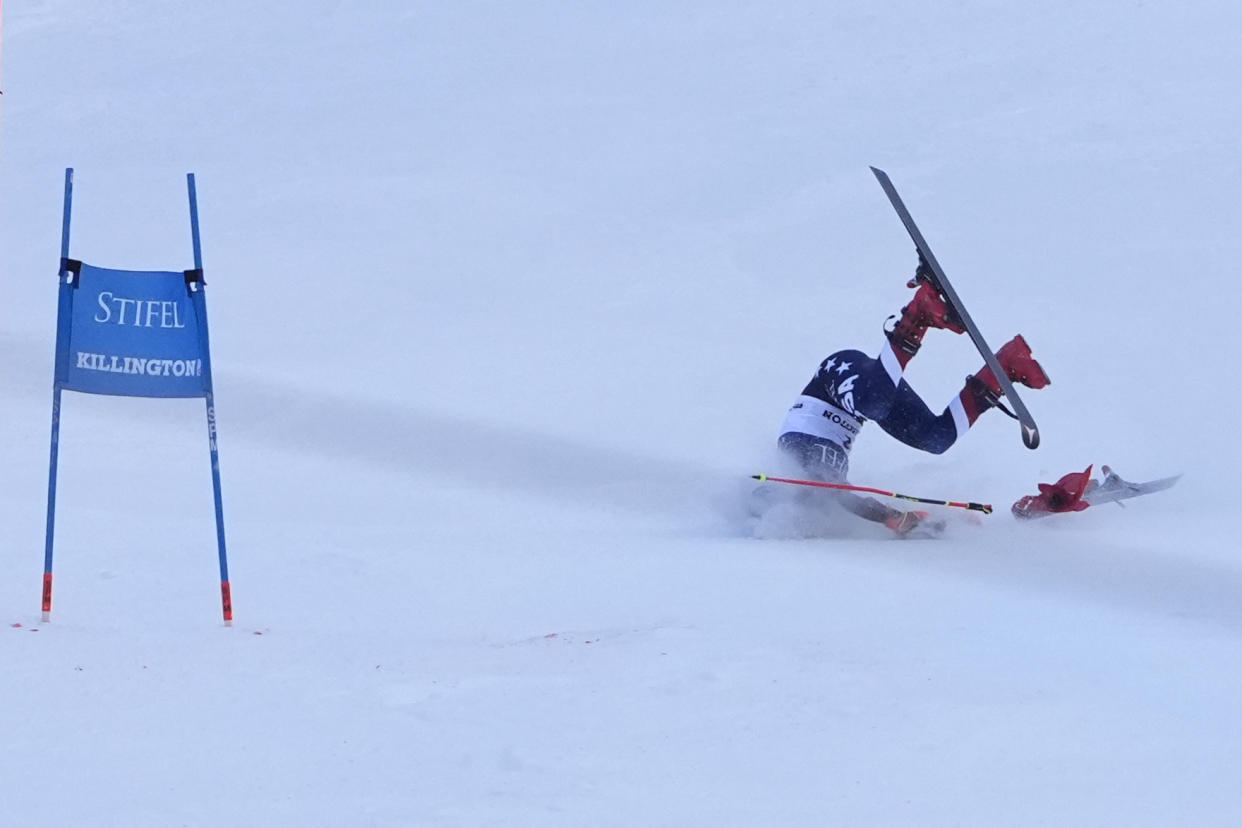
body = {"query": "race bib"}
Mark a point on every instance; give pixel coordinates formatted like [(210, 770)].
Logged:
[(820, 419)]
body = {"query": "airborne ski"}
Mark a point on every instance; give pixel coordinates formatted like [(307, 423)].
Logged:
[(1030, 431)]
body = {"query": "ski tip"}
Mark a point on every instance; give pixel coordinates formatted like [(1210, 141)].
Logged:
[(1030, 436), (758, 477), (879, 172)]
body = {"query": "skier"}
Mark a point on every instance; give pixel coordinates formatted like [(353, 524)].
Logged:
[(850, 388)]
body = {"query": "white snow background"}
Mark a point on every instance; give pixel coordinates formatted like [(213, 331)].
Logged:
[(507, 301)]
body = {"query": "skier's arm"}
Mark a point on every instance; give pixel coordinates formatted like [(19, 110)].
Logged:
[(873, 510), (867, 508)]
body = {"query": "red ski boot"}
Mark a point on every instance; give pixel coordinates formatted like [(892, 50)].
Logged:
[(926, 310), (1063, 496), (982, 391), (1015, 357)]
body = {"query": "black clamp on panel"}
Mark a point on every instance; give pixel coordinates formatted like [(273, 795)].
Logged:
[(71, 266)]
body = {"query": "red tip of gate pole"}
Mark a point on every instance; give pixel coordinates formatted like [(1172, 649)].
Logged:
[(226, 601), (47, 596)]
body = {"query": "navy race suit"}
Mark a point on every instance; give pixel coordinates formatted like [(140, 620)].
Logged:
[(850, 388)]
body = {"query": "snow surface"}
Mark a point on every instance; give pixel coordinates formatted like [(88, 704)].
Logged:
[(507, 301)]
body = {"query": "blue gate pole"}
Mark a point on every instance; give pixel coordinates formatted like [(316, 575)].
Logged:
[(200, 305), (62, 354)]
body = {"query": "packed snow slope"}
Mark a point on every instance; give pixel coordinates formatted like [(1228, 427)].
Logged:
[(507, 302)]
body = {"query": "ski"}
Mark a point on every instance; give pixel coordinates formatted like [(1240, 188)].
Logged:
[(1030, 431), (1114, 489)]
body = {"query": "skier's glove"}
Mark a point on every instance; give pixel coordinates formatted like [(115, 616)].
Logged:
[(904, 522)]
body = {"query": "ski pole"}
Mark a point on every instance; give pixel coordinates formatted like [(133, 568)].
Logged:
[(986, 508)]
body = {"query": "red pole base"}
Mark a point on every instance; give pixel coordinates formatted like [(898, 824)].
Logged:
[(226, 602), (47, 596)]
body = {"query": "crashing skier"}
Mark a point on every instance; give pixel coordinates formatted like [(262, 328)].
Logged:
[(851, 387)]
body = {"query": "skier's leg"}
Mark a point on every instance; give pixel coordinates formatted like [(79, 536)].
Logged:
[(879, 391), (912, 422)]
